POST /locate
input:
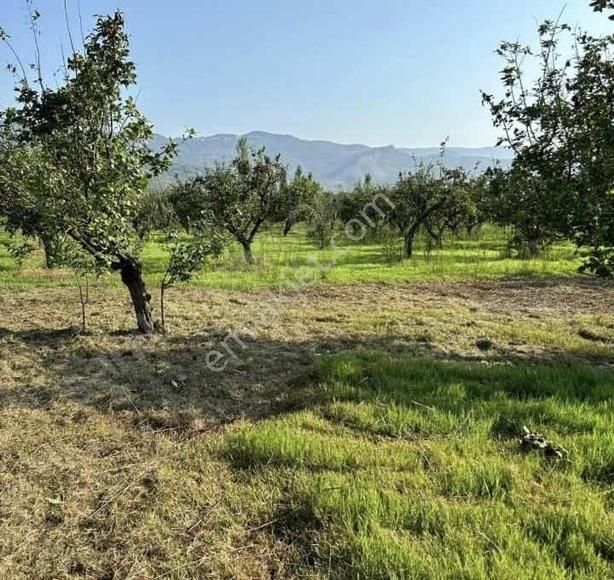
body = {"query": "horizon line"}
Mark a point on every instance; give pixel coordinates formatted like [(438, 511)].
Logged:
[(199, 135)]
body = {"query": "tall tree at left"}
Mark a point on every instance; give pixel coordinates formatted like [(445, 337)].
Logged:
[(75, 158)]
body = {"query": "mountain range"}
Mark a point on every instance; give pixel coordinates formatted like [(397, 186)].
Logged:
[(335, 165)]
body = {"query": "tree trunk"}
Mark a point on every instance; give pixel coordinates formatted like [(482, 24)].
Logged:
[(247, 250), (132, 277), (289, 223), (410, 234), (49, 250)]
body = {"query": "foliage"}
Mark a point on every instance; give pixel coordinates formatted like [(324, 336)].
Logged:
[(516, 199), (74, 160), (19, 249), (237, 198), (321, 221), (599, 261), (154, 212), (461, 210), (292, 206), (601, 5), (350, 203), (68, 254), (560, 128), (186, 258), (431, 197), (355, 204)]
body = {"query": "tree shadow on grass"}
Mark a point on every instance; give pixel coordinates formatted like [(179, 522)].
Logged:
[(166, 383), (51, 337)]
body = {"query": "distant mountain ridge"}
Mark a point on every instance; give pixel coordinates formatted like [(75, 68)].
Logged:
[(335, 165)]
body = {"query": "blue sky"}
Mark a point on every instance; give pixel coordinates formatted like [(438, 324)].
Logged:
[(380, 72)]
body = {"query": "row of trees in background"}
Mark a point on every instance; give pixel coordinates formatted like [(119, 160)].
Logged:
[(239, 198), (560, 185), (431, 199), (76, 161)]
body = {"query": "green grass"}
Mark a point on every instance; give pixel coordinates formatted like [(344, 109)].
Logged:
[(409, 468), (367, 465), (280, 259)]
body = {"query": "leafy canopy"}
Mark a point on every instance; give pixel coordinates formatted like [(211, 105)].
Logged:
[(75, 159), (237, 198), (560, 125)]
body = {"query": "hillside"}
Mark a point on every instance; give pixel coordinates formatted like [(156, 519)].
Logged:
[(333, 164)]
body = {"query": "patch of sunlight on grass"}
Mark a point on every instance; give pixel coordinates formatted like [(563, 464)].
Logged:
[(411, 468), (279, 258)]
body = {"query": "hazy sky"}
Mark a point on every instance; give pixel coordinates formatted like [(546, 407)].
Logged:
[(380, 72)]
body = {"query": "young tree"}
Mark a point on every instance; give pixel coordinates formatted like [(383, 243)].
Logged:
[(560, 127), (351, 203), (481, 202), (186, 258), (75, 159), (461, 210), (68, 254), (237, 198), (295, 199), (322, 217)]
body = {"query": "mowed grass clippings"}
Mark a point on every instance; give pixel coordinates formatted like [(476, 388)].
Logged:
[(366, 431)]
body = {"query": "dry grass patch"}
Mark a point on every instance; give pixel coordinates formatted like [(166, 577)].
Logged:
[(124, 456)]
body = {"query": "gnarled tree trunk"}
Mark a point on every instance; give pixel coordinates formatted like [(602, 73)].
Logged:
[(247, 251), (132, 276)]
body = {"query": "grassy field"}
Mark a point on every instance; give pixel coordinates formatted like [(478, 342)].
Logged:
[(408, 468), (278, 258), (369, 430)]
